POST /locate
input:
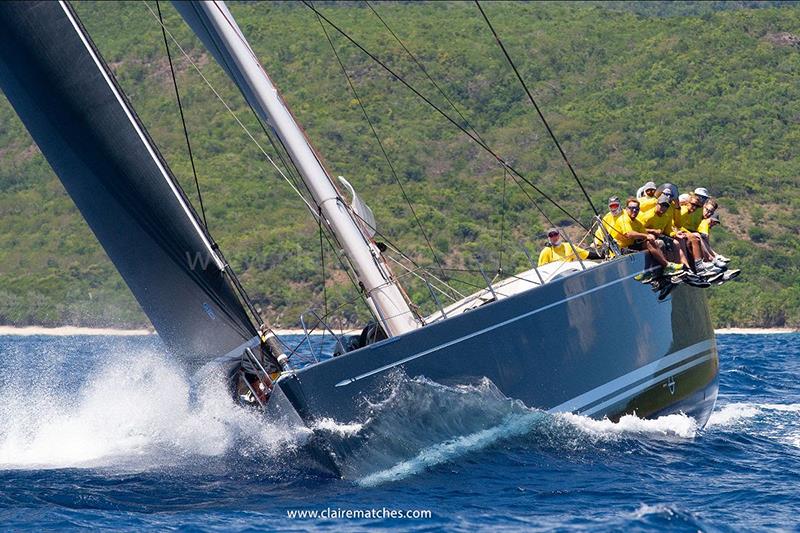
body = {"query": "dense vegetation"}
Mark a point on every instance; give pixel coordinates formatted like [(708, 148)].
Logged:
[(687, 93)]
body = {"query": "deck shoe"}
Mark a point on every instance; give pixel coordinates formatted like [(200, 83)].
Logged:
[(664, 292), (722, 258), (719, 263), (673, 269), (716, 277), (711, 272), (696, 281), (730, 274), (645, 277)]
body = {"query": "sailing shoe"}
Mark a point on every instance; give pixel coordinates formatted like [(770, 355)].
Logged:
[(645, 277), (711, 272), (696, 281), (722, 258), (730, 274), (720, 263), (664, 292), (715, 278), (677, 278), (673, 269)]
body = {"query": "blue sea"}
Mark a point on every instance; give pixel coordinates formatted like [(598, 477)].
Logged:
[(109, 432)]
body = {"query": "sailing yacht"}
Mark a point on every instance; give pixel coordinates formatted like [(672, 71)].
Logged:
[(585, 337)]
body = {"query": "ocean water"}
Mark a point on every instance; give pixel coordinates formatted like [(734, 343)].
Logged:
[(108, 432)]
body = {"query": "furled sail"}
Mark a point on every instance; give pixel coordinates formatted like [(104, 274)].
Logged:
[(76, 112)]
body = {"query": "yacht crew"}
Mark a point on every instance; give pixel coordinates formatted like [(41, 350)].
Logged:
[(609, 221), (632, 234), (558, 250), (648, 190), (690, 217)]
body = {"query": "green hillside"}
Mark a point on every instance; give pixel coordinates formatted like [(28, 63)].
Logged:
[(696, 94)]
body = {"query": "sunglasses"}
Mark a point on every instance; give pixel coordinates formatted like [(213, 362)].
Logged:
[(696, 205), (554, 234), (633, 207)]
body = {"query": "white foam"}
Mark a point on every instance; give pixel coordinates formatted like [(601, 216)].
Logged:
[(513, 426), (676, 425), (344, 430), (647, 510), (136, 410), (783, 407)]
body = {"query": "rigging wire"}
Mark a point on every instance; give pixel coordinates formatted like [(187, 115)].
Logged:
[(502, 224), (232, 113), (538, 111), (424, 71), (383, 149), (183, 119), (436, 108), (322, 262)]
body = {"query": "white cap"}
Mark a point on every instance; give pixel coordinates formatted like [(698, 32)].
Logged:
[(683, 197), (701, 191)]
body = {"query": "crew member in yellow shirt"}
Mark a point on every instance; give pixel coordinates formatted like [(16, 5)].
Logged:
[(632, 234), (558, 250), (609, 221), (659, 223), (691, 215)]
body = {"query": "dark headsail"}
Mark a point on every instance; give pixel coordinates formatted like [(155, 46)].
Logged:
[(76, 112)]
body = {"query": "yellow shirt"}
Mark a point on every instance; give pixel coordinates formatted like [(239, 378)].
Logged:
[(690, 221), (705, 226), (661, 222), (561, 252), (626, 224), (647, 205), (609, 223)]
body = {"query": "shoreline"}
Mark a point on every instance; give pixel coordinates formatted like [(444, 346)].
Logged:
[(68, 331), (755, 331)]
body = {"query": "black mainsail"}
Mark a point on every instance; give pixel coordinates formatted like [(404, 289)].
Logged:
[(76, 112)]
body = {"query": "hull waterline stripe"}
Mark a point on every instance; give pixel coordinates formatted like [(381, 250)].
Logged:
[(615, 385), (141, 135), (658, 375), (644, 386), (348, 381)]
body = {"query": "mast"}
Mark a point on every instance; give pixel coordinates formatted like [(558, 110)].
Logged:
[(214, 24)]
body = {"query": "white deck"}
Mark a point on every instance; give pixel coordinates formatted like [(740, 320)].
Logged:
[(513, 285)]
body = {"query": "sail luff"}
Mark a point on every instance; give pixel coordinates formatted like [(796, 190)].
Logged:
[(214, 24), (145, 139)]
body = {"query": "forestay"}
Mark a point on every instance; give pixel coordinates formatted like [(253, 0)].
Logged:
[(76, 112)]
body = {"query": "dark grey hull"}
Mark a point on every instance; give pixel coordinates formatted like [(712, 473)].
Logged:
[(597, 343)]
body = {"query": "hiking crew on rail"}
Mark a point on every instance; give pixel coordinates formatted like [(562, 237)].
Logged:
[(675, 233)]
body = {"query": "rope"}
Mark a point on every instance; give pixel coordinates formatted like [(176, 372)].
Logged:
[(232, 113), (535, 105), (183, 119), (436, 108), (322, 262), (383, 150), (424, 71)]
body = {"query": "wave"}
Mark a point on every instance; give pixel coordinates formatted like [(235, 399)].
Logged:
[(736, 413), (138, 410), (417, 424)]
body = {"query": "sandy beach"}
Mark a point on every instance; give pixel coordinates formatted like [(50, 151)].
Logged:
[(67, 331), (754, 331)]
